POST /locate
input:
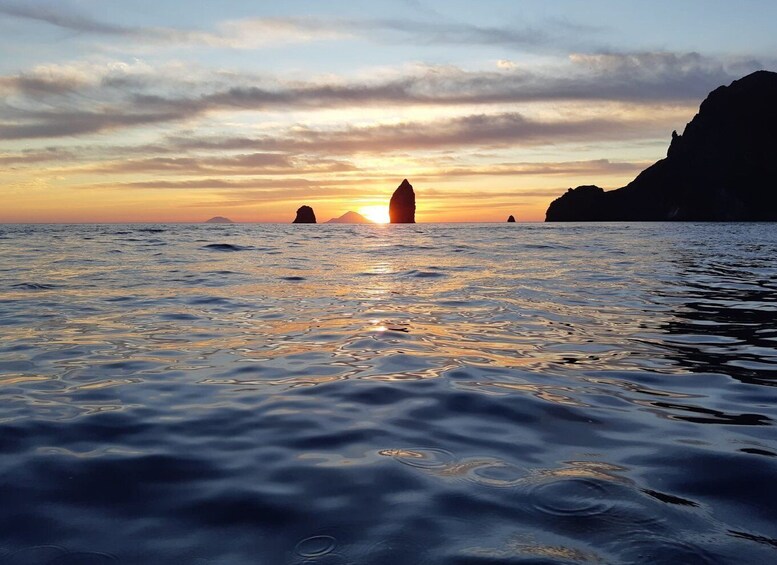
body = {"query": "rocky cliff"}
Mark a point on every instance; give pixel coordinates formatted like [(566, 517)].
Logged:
[(722, 168)]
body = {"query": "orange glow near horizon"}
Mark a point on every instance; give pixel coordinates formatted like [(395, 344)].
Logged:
[(377, 214)]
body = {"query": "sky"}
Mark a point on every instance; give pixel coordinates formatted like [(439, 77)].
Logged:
[(177, 111)]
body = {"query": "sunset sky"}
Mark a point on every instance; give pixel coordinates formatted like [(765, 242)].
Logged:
[(129, 110)]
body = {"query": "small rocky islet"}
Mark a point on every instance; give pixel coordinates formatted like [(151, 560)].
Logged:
[(305, 215)]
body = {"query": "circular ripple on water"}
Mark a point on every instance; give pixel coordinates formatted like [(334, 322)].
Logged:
[(84, 558), (328, 559), (497, 474), (36, 555), (421, 457), (659, 550), (316, 546), (385, 551), (571, 497)]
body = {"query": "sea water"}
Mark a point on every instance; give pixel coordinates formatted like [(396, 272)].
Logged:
[(330, 394)]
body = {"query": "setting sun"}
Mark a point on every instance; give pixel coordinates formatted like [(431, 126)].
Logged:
[(378, 214)]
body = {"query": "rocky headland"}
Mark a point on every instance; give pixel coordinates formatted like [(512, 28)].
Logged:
[(722, 168)]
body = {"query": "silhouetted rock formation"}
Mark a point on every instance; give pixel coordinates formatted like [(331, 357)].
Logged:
[(349, 218), (305, 215), (402, 204), (723, 167), (511, 219), (219, 220)]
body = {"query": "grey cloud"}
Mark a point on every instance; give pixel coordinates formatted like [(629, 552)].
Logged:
[(270, 161), (34, 157), (60, 16), (455, 33), (63, 123), (592, 167), (303, 149), (237, 33), (211, 183), (294, 147), (249, 164), (505, 129), (645, 78), (258, 185), (600, 166)]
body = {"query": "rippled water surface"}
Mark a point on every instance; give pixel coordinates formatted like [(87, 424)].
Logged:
[(428, 394)]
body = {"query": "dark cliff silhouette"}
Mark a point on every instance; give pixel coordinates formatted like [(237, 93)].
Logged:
[(722, 168), (349, 218), (511, 219), (402, 204), (305, 215), (218, 220)]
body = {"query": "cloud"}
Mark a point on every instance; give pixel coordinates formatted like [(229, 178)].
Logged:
[(454, 33), (61, 123), (247, 164), (590, 167), (60, 16), (35, 157), (476, 130), (251, 33), (208, 183), (120, 95), (301, 148), (239, 34)]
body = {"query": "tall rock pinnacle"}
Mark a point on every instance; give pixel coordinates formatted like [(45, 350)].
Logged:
[(402, 204)]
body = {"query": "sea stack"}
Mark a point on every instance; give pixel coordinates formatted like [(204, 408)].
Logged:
[(722, 168), (511, 219), (402, 204), (305, 215)]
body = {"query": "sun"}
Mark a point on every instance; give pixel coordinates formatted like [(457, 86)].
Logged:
[(378, 214)]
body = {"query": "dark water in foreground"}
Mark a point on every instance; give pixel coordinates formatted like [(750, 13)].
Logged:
[(388, 394)]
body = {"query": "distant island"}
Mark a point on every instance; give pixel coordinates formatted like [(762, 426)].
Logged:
[(349, 218), (722, 168), (219, 220)]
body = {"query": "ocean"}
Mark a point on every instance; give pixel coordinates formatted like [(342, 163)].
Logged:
[(372, 394)]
